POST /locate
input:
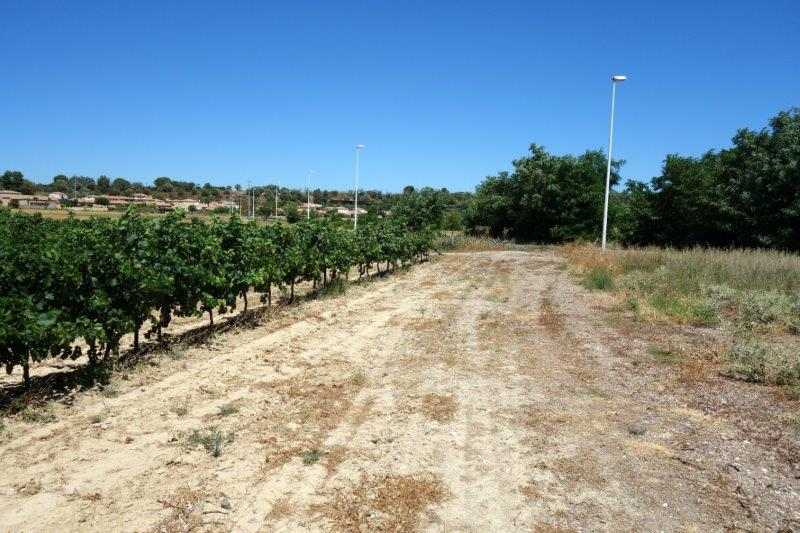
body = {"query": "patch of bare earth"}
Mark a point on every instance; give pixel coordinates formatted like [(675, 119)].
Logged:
[(479, 392)]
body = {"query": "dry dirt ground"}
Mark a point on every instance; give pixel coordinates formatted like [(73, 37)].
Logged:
[(479, 392)]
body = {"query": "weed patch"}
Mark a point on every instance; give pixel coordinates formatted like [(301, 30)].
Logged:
[(311, 457), (211, 439)]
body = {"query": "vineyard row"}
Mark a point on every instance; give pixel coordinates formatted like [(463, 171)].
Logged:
[(100, 279)]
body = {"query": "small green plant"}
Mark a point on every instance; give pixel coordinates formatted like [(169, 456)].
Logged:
[(311, 457), (5, 434), (664, 355), (227, 409), (632, 303), (38, 414), (599, 278), (212, 439), (686, 309)]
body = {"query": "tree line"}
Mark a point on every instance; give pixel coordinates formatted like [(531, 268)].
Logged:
[(747, 195), (98, 279), (171, 189)]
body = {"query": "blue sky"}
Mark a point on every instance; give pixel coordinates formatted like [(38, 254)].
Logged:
[(442, 93)]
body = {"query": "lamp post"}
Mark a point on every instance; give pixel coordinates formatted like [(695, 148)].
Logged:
[(277, 188), (248, 195), (614, 80), (308, 194), (355, 210)]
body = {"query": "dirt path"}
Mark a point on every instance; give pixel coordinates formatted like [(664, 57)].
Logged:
[(480, 392)]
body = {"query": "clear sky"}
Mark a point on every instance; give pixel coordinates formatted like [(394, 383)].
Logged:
[(441, 92)]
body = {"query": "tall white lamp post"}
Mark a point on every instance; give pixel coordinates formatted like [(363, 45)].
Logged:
[(277, 188), (308, 194), (614, 80), (359, 147)]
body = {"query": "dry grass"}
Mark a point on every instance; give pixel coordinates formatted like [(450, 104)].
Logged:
[(500, 327), (549, 315), (383, 503), (333, 458), (459, 242), (751, 296), (282, 508), (579, 471), (185, 511), (441, 408), (530, 491), (311, 407)]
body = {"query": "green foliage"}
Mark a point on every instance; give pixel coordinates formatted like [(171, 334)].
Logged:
[(744, 196), (754, 361), (292, 213), (101, 278), (548, 198), (420, 209), (311, 457)]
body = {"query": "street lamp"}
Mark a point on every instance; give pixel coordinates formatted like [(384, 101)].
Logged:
[(248, 194), (308, 194), (355, 211), (614, 80), (276, 199)]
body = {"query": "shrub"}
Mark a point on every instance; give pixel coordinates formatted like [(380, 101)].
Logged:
[(759, 363), (764, 307)]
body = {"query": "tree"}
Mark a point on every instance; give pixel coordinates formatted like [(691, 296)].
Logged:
[(163, 185), (60, 183), (292, 214), (103, 184), (12, 180), (120, 186), (547, 198), (417, 210)]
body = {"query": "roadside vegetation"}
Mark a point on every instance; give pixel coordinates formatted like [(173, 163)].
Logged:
[(751, 296), (745, 196), (76, 287)]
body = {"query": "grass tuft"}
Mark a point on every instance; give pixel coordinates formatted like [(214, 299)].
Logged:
[(212, 439), (311, 457), (599, 278)]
